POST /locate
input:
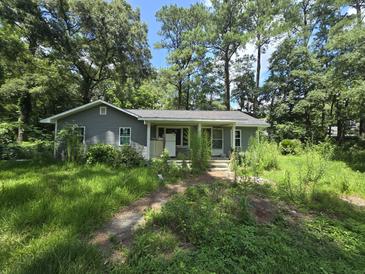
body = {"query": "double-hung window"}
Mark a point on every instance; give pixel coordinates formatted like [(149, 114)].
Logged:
[(237, 138), (125, 134)]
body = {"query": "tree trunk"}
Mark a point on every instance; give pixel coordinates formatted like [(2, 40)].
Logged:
[(227, 100), (25, 107), (86, 90), (258, 71), (179, 94), (187, 94)]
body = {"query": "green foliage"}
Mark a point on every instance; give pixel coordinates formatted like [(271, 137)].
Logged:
[(7, 133), (102, 154), (290, 146), (261, 154), (37, 150), (130, 157), (301, 177), (169, 171), (126, 156), (48, 211), (69, 141), (212, 228), (353, 153), (200, 151)]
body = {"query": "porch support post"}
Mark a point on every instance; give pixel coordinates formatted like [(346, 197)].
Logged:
[(199, 129), (148, 140), (233, 144), (55, 141)]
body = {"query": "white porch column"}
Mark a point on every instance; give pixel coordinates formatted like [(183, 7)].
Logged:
[(55, 141), (233, 144), (199, 129), (148, 140)]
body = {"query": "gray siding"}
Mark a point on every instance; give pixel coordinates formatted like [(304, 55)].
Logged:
[(105, 128), (246, 134)]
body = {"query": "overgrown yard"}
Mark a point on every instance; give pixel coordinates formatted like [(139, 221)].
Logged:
[(259, 228), (47, 212), (297, 223)]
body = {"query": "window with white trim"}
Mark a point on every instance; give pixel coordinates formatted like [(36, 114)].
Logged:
[(102, 110), (237, 138), (125, 134)]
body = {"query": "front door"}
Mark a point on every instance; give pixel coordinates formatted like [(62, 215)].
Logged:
[(216, 139), (217, 142)]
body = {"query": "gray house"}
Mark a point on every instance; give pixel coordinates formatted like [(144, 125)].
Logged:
[(150, 131)]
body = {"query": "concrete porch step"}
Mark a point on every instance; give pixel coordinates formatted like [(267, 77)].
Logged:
[(218, 169)]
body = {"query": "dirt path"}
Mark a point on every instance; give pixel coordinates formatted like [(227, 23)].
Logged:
[(119, 230)]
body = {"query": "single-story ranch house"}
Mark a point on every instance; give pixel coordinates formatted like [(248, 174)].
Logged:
[(150, 131)]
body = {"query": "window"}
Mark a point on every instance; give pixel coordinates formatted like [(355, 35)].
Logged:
[(102, 110), (161, 132), (237, 138), (81, 132), (182, 135), (125, 136)]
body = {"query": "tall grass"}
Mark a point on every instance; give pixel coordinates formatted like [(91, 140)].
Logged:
[(200, 152), (47, 213), (301, 178), (261, 154)]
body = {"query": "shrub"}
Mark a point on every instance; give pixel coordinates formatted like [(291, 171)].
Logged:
[(170, 171), (129, 157), (68, 140), (103, 154), (107, 154), (261, 154), (7, 133), (200, 152), (290, 146)]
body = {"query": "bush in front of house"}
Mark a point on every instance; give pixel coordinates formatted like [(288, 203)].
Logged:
[(127, 156), (290, 146), (102, 154), (68, 141), (200, 152)]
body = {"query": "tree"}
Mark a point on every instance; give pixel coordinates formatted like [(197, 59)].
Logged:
[(266, 23), (244, 91), (227, 32), (96, 38), (181, 32)]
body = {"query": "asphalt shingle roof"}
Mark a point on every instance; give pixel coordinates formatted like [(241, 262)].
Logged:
[(213, 115)]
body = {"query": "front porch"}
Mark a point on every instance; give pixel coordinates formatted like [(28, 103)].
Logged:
[(175, 137)]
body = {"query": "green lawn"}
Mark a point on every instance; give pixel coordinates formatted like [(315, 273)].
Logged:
[(47, 213), (337, 178)]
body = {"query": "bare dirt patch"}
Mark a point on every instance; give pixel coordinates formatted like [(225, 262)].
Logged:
[(262, 209), (354, 200), (119, 230)]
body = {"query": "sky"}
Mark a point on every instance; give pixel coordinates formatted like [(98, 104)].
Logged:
[(148, 10)]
